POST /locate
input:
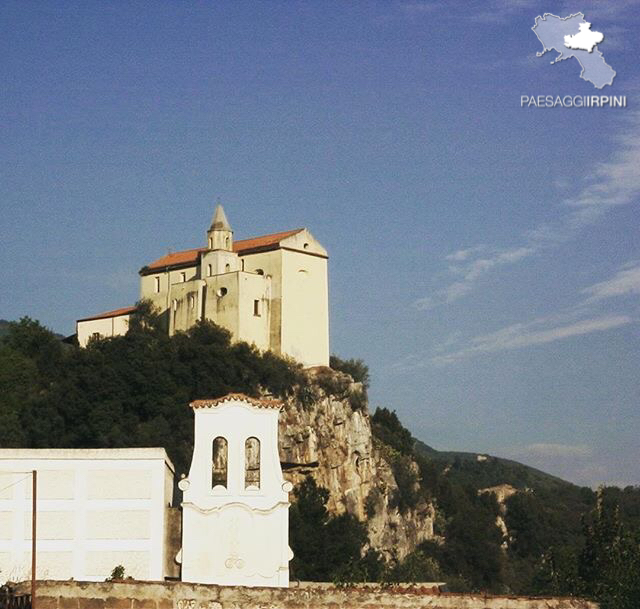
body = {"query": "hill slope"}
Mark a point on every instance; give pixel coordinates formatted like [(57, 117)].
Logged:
[(409, 512)]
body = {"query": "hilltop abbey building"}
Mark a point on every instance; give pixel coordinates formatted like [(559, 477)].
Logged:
[(270, 291)]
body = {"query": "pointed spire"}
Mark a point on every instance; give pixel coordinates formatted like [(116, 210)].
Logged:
[(220, 221)]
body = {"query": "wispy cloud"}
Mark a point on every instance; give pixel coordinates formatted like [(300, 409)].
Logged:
[(542, 330), (470, 270), (538, 332), (624, 282), (578, 462), (576, 320), (465, 254), (611, 184)]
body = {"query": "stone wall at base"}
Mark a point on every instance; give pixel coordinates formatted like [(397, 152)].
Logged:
[(179, 595)]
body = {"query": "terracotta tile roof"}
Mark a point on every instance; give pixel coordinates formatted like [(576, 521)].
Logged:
[(265, 241), (114, 313), (190, 257), (263, 403), (177, 258)]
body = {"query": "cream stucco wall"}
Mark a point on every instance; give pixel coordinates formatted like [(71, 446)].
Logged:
[(299, 312), (96, 508), (217, 262), (305, 313), (270, 265), (106, 327)]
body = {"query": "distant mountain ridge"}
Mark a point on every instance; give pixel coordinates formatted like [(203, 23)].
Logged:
[(504, 471)]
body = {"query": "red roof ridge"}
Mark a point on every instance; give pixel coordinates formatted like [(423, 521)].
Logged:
[(190, 256), (106, 314), (241, 397), (270, 239)]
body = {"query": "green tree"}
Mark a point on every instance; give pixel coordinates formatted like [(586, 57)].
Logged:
[(325, 547), (356, 368), (387, 428)]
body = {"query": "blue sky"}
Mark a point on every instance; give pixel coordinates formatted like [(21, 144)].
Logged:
[(485, 257)]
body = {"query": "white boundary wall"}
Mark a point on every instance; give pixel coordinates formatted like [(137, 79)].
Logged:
[(96, 508)]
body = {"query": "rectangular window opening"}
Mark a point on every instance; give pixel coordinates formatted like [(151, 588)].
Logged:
[(256, 308), (156, 284)]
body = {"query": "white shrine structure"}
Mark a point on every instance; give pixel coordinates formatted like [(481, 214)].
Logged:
[(235, 508)]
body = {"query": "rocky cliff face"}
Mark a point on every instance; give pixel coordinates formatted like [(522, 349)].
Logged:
[(328, 435)]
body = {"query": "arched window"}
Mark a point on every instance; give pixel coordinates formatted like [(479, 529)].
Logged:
[(252, 463), (227, 268), (219, 461)]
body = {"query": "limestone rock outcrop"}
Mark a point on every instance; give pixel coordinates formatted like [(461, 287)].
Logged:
[(329, 436)]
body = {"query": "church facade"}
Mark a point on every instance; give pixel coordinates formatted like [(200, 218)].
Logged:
[(270, 291)]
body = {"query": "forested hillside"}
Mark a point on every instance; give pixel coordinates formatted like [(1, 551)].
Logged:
[(558, 539), (541, 535)]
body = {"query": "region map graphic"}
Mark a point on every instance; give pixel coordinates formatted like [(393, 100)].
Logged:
[(572, 37)]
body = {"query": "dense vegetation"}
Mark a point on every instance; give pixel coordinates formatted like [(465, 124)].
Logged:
[(562, 539), (131, 390), (134, 390), (326, 547)]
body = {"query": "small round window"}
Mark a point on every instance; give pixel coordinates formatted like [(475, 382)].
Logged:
[(221, 292), (306, 246)]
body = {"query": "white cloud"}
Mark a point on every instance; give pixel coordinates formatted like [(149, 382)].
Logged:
[(470, 271), (614, 183), (538, 332), (464, 254), (573, 321), (626, 281)]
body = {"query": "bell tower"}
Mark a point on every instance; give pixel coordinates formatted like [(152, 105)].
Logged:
[(235, 508), (220, 235)]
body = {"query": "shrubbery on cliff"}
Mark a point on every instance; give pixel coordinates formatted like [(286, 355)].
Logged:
[(129, 390)]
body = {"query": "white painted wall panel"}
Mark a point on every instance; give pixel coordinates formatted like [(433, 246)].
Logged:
[(97, 508)]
